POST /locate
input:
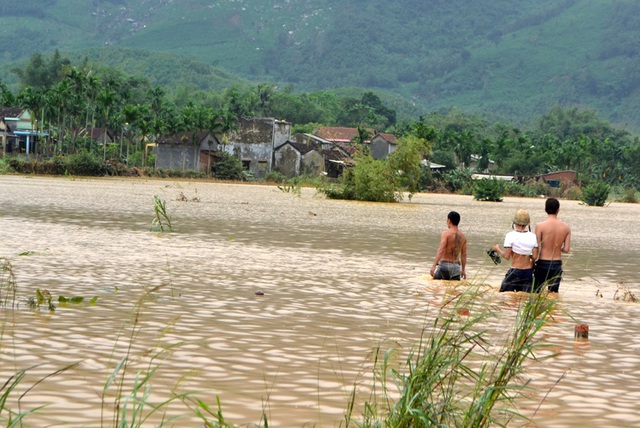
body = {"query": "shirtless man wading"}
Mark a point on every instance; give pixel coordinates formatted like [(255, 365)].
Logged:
[(554, 238), (451, 258)]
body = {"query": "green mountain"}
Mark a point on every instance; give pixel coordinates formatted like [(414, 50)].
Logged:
[(511, 58)]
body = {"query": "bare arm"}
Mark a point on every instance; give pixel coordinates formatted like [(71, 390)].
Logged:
[(566, 245), (534, 256), (506, 254), (539, 240), (439, 253), (463, 260)]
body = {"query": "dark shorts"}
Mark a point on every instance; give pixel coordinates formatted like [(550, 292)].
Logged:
[(447, 270), (517, 280), (549, 273)]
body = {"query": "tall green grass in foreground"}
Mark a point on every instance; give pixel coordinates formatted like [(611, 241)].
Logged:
[(455, 377)]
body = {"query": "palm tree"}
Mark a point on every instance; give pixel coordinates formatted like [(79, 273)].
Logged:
[(158, 128), (131, 114), (229, 122), (106, 100)]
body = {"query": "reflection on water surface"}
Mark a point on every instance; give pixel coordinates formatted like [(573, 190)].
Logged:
[(338, 279)]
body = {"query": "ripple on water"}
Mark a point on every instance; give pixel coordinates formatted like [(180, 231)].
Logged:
[(337, 285)]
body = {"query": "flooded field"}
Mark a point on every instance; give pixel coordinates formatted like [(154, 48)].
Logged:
[(337, 278)]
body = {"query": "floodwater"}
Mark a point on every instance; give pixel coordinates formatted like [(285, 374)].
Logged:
[(338, 278)]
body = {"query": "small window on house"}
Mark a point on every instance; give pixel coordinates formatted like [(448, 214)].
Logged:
[(246, 165)]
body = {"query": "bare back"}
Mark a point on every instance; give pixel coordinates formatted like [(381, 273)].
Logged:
[(452, 243), (554, 238)]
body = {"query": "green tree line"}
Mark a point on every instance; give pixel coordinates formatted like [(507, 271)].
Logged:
[(64, 97)]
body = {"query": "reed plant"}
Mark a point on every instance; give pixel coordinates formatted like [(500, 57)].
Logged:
[(162, 221), (129, 393), (455, 376), (7, 284)]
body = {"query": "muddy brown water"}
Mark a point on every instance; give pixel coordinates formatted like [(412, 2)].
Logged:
[(339, 278)]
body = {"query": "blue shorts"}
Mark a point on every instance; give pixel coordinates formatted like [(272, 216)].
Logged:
[(549, 273), (517, 280)]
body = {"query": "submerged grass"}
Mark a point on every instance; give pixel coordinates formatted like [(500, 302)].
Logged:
[(162, 221), (455, 376), (7, 284)]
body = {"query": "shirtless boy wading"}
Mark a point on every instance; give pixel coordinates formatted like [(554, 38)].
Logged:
[(451, 258), (554, 238)]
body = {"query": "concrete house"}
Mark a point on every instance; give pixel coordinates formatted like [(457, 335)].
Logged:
[(337, 151), (255, 141), (292, 159), (186, 151), (382, 145)]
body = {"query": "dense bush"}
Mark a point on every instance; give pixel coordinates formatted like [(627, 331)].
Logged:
[(530, 189), (369, 180), (458, 180), (596, 193), (84, 163), (276, 177), (228, 168), (628, 195), (488, 189), (573, 193)]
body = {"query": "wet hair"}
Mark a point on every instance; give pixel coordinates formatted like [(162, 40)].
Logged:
[(552, 206), (454, 217)]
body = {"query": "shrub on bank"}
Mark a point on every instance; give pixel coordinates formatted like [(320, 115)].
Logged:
[(228, 168), (84, 163), (488, 189), (368, 180), (529, 189), (596, 193), (628, 195), (573, 193)]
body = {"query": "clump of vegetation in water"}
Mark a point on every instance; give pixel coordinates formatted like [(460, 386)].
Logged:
[(7, 284), (625, 294), (162, 221), (43, 298), (291, 186)]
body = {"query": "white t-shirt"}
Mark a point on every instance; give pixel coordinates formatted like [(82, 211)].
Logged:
[(521, 242)]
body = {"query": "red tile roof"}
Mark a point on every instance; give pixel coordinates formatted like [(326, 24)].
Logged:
[(337, 134), (342, 134)]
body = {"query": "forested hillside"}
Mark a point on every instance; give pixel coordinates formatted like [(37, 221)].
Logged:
[(512, 58)]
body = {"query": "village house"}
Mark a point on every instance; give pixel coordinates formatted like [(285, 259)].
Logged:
[(335, 154), (253, 142), (292, 159), (380, 145), (559, 179), (18, 134), (99, 135), (186, 151)]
